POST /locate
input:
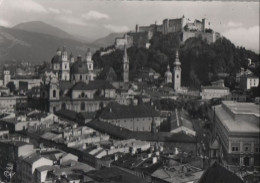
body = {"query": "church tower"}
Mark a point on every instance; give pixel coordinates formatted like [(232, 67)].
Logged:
[(7, 77), (65, 66), (90, 64), (125, 66), (177, 73), (168, 75)]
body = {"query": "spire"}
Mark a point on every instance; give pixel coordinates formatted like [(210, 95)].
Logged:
[(177, 61), (125, 54)]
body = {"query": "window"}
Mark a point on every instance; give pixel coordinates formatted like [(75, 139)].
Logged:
[(80, 77), (257, 149), (82, 94), (54, 93), (177, 76), (65, 66), (235, 149), (82, 106)]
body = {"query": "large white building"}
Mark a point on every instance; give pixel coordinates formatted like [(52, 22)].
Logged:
[(237, 128), (249, 81)]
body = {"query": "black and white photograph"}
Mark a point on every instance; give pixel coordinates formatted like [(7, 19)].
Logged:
[(128, 91)]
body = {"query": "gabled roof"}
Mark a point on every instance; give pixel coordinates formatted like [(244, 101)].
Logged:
[(218, 174), (116, 111)]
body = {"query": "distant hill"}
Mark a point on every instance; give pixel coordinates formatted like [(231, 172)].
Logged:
[(108, 40), (44, 28), (17, 44), (200, 62)]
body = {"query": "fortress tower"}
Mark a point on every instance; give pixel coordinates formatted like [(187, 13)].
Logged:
[(177, 73), (125, 66)]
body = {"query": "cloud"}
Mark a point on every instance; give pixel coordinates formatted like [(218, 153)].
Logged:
[(94, 15), (117, 29), (71, 20), (26, 6), (54, 10), (66, 11), (234, 24), (247, 37), (4, 23)]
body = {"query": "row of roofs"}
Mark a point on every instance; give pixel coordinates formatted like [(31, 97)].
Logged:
[(144, 136), (116, 111)]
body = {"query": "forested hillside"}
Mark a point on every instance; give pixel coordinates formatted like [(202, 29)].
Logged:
[(200, 61)]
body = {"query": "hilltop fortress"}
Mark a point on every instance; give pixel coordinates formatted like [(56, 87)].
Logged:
[(187, 29)]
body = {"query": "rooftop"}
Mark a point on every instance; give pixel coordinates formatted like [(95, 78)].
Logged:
[(144, 136), (216, 174), (239, 117), (116, 111)]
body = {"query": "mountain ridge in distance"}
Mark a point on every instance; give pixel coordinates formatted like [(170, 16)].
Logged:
[(34, 47)]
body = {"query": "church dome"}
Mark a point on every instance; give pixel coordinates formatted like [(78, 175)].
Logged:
[(168, 72), (56, 59), (79, 67)]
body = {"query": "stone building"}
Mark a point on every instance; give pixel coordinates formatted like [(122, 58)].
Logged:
[(237, 128), (134, 118), (78, 91)]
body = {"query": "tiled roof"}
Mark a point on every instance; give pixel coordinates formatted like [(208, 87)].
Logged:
[(116, 111), (183, 120), (65, 85), (87, 115), (32, 158), (67, 114), (216, 174), (97, 84), (144, 136)]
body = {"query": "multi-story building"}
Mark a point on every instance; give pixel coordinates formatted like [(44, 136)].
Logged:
[(79, 92), (216, 90), (237, 127), (27, 166), (134, 118), (249, 81)]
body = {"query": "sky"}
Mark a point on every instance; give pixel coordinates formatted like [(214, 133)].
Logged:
[(238, 21)]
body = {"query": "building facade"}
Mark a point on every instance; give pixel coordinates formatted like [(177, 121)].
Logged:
[(237, 128)]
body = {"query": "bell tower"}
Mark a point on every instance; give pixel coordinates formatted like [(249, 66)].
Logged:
[(168, 75), (65, 66), (125, 66), (177, 73)]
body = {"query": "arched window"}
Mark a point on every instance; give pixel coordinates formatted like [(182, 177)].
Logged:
[(82, 106), (54, 93), (177, 76), (82, 95)]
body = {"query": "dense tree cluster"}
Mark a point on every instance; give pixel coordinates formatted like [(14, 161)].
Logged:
[(201, 62)]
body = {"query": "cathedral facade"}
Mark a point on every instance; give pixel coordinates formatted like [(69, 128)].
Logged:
[(71, 85)]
